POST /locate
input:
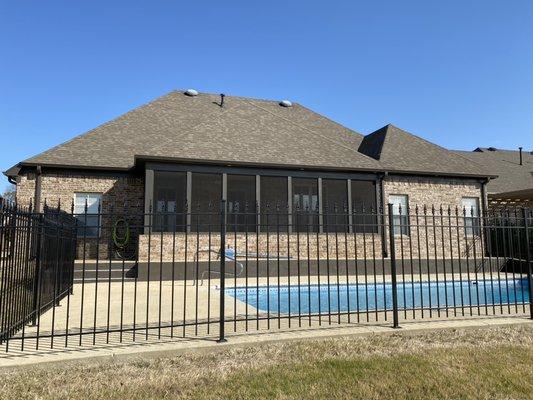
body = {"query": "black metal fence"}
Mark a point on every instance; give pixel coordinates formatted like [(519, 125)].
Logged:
[(123, 276), (37, 254)]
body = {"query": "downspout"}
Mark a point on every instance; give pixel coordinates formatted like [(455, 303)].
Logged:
[(484, 216), (384, 248), (37, 194), (484, 199)]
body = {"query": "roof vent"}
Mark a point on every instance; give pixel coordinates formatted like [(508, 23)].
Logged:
[(191, 92), (285, 103)]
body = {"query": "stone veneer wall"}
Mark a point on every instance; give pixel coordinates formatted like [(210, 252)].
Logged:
[(117, 191)]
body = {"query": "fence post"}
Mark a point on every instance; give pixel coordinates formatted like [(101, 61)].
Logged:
[(222, 288), (528, 260), (395, 323), (37, 275)]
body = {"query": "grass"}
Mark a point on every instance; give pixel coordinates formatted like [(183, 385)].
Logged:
[(466, 364)]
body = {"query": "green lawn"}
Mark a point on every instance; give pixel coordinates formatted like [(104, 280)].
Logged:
[(477, 364)]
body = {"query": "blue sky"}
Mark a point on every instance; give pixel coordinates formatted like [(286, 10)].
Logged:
[(459, 73)]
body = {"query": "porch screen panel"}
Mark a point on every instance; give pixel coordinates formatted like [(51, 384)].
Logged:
[(241, 203), (170, 198), (305, 204), (335, 205), (273, 207), (205, 202), (364, 207)]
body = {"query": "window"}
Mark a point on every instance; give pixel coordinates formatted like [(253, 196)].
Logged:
[(364, 207), (400, 213), (335, 205), (241, 203), (170, 199), (205, 202), (305, 204), (89, 219), (274, 203), (470, 207)]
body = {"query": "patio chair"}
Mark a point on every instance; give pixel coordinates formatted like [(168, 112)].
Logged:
[(231, 255)]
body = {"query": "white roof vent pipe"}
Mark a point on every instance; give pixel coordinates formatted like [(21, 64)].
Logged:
[(191, 92), (285, 103)]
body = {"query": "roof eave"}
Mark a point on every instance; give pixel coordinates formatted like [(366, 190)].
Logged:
[(74, 166), (147, 158), (13, 171), (443, 174)]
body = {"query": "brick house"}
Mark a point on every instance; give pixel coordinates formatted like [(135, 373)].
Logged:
[(188, 151)]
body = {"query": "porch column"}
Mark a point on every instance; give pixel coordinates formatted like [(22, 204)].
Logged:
[(380, 191), (289, 203), (148, 197), (37, 195), (320, 209), (189, 200), (350, 216), (224, 186), (257, 204)]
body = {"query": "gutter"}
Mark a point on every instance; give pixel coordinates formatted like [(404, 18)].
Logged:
[(484, 197)]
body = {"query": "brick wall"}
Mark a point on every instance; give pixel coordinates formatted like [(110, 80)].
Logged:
[(432, 191), (117, 192), (26, 189), (55, 187)]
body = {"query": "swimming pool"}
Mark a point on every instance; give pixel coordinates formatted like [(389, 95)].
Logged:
[(317, 299)]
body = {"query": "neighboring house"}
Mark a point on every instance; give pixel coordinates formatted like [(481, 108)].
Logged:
[(514, 170), (192, 150)]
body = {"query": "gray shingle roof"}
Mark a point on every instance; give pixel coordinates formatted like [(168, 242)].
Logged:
[(243, 131), (399, 150), (512, 177), (248, 131)]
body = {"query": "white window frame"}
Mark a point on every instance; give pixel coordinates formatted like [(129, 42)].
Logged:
[(471, 230), (77, 212), (401, 229)]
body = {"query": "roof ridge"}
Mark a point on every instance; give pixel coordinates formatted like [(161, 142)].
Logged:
[(309, 130), (232, 96), (426, 141)]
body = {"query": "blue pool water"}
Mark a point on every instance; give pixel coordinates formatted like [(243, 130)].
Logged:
[(314, 299)]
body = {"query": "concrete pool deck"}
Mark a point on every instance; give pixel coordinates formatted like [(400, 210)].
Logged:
[(115, 306)]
